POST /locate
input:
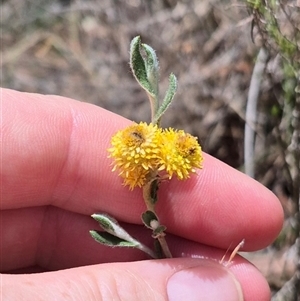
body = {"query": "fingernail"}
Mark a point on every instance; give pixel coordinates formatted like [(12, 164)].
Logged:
[(208, 281)]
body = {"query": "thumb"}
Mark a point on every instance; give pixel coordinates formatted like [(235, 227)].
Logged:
[(169, 279)]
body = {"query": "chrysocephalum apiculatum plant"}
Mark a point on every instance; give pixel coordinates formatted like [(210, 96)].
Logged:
[(144, 154)]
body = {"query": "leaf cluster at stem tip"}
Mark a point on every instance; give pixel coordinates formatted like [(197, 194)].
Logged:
[(145, 67)]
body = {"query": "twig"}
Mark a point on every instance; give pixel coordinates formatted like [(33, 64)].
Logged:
[(289, 291), (251, 111), (295, 149)]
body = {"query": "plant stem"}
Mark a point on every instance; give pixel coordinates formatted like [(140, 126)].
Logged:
[(147, 250), (164, 246), (154, 107), (150, 198)]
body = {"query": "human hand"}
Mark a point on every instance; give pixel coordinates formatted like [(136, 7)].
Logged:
[(55, 173)]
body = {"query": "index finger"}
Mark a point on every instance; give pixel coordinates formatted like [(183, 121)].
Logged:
[(54, 152)]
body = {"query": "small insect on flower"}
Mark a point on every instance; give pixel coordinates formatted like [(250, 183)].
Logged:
[(135, 152), (138, 135)]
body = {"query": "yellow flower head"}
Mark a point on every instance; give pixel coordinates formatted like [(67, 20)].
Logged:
[(135, 151), (141, 149), (180, 154)]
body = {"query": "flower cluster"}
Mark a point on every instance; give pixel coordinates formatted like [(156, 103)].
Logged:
[(144, 149)]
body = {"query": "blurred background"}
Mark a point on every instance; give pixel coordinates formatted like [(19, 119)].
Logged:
[(234, 60)]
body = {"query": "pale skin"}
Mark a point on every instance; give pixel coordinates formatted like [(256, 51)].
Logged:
[(55, 173)]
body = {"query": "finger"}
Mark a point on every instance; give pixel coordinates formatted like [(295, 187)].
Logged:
[(53, 239), (57, 154), (169, 279)]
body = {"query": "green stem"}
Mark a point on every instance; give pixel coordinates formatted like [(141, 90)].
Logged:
[(164, 246), (150, 198), (154, 108)]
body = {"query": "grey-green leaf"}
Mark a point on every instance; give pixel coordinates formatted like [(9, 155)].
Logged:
[(168, 97), (111, 226), (147, 217), (138, 65), (111, 240), (105, 221), (152, 67)]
